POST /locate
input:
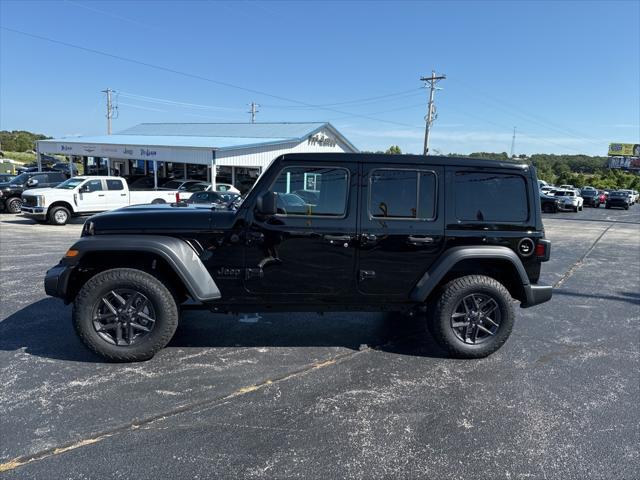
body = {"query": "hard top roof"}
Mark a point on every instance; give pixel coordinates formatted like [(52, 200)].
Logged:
[(418, 160)]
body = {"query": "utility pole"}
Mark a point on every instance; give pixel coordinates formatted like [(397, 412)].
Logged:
[(110, 109), (431, 108), (513, 142), (254, 109)]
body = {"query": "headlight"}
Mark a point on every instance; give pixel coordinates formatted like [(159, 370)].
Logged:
[(40, 200)]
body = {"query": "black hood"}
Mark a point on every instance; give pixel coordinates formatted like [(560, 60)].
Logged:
[(161, 219)]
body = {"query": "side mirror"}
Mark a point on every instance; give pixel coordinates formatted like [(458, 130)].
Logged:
[(32, 182), (266, 203), (84, 189)]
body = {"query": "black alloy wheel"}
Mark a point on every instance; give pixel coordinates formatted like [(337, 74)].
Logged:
[(476, 318), (123, 316)]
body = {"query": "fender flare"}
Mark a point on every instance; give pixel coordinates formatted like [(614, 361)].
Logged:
[(446, 262), (182, 259)]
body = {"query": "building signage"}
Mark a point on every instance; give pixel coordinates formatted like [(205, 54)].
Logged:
[(138, 152), (322, 140), (624, 149)]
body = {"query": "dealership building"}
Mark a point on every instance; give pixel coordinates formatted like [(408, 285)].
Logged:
[(234, 153)]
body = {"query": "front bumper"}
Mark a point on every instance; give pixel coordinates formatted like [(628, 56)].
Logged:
[(56, 281), (34, 212), (536, 294)]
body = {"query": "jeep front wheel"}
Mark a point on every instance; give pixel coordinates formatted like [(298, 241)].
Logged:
[(125, 315), (473, 317)]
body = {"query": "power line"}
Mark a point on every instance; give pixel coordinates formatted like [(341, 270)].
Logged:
[(195, 76)]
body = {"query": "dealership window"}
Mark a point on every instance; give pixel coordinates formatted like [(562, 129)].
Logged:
[(402, 194), (490, 197), (245, 177), (312, 191)]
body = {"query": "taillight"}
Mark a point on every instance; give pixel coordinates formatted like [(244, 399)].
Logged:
[(543, 249), (177, 197)]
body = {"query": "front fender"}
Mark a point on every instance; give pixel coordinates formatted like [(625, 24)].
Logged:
[(182, 259)]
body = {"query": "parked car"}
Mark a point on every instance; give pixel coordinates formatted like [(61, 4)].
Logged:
[(602, 197), (6, 177), (213, 199), (383, 236), (632, 196), (567, 187), (546, 189), (184, 185), (64, 167), (618, 199), (87, 195), (11, 192), (226, 187), (569, 200), (549, 204), (591, 198)]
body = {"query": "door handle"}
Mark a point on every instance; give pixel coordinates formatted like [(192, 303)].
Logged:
[(123, 194), (101, 194), (420, 240), (338, 238), (366, 238)]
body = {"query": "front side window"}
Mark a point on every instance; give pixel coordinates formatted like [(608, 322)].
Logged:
[(93, 185), (402, 194), (312, 191), (490, 197)]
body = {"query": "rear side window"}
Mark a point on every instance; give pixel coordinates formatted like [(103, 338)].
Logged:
[(402, 194), (41, 178), (115, 185), (490, 197), (57, 177)]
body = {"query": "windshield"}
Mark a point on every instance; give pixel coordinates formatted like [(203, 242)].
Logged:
[(71, 183), (22, 178)]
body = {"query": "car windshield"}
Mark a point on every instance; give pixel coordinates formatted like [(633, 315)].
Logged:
[(71, 183), (22, 178)]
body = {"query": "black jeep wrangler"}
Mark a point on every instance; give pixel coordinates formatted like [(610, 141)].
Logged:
[(456, 238)]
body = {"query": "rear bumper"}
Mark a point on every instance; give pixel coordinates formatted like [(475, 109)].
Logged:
[(56, 281), (536, 294)]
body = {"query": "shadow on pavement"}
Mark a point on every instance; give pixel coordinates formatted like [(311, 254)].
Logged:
[(630, 297), (44, 329), (18, 220)]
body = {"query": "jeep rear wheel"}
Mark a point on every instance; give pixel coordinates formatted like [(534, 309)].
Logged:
[(125, 315), (473, 317)]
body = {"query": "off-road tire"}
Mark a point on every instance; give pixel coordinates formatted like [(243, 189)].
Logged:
[(160, 297), (51, 216), (14, 205), (451, 295)]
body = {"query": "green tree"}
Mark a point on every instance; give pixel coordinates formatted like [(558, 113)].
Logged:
[(393, 150)]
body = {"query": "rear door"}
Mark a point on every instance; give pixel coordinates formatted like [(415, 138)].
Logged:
[(401, 228), (115, 195)]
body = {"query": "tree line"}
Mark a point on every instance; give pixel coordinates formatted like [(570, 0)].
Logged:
[(19, 140)]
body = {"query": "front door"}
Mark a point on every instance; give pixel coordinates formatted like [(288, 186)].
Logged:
[(401, 228), (307, 248), (91, 197)]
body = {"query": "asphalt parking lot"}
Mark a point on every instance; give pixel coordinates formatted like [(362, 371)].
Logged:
[(341, 395)]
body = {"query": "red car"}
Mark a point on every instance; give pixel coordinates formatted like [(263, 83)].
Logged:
[(602, 196)]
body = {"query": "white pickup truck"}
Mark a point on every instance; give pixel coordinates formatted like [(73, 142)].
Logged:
[(88, 195)]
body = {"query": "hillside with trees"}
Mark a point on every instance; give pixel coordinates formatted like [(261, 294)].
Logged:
[(19, 140)]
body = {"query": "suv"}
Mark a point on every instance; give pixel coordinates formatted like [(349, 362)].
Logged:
[(457, 239), (11, 192)]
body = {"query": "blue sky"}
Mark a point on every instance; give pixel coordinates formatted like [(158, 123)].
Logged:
[(566, 74)]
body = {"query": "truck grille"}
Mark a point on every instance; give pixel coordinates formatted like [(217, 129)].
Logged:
[(29, 201)]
